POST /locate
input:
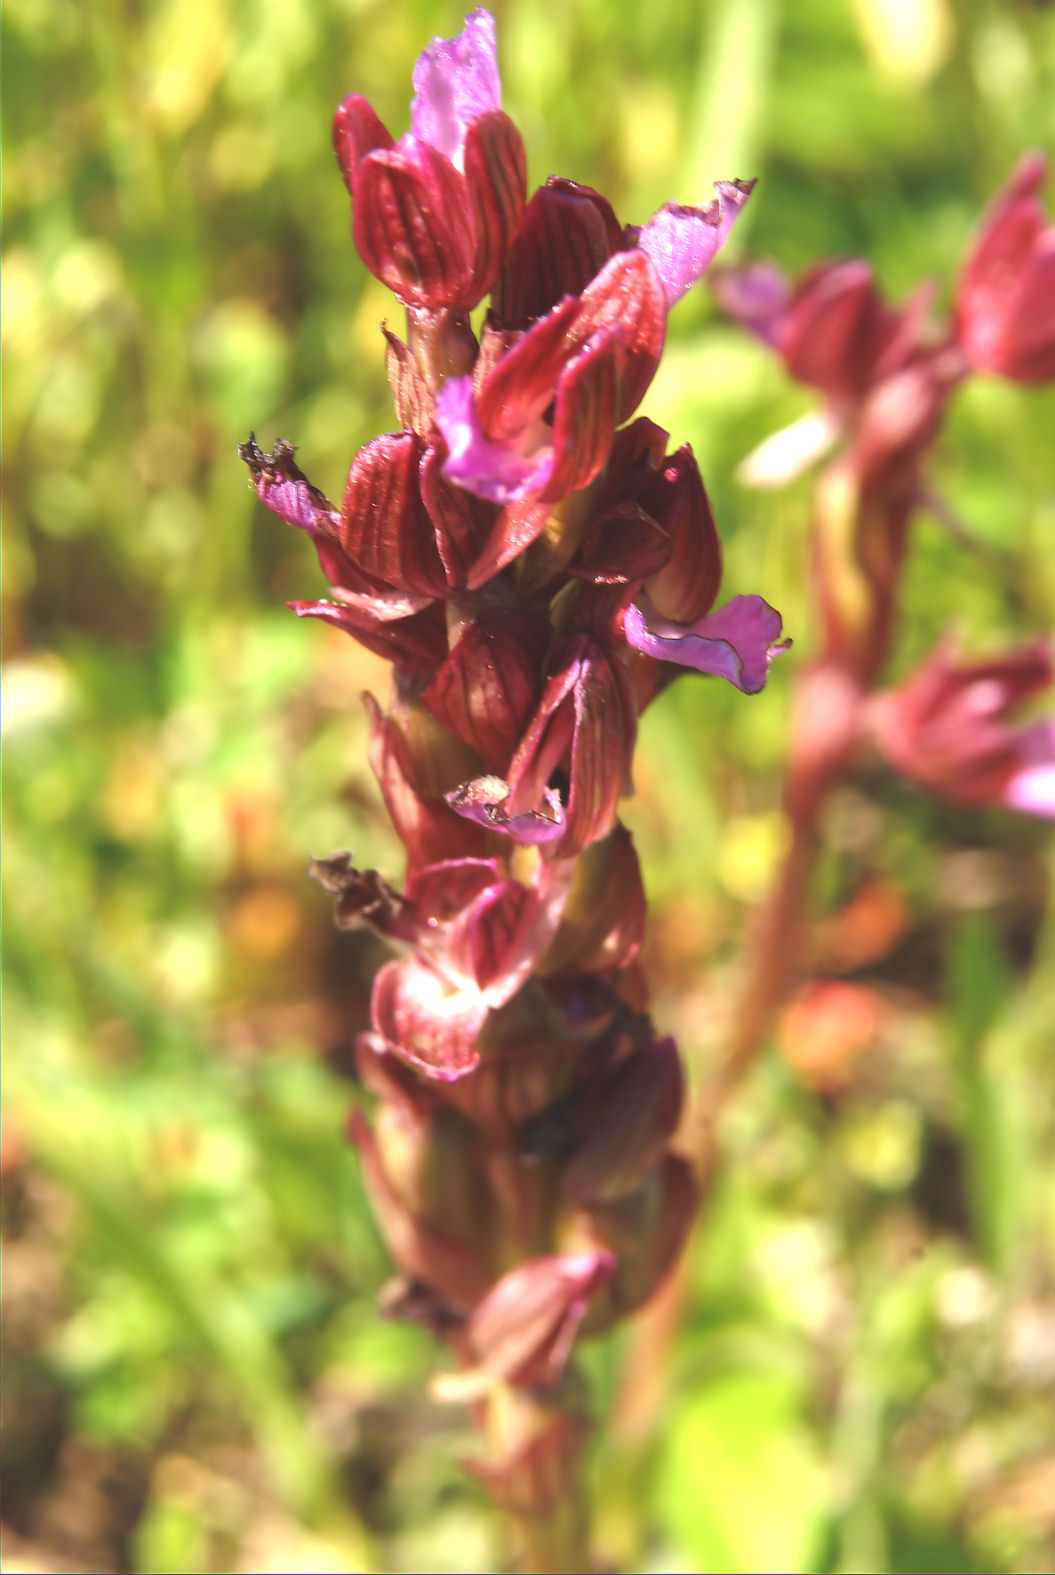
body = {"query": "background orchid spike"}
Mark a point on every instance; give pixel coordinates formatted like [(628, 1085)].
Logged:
[(1005, 301), (518, 553)]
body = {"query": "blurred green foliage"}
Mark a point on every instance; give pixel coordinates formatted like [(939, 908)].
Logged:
[(862, 1377)]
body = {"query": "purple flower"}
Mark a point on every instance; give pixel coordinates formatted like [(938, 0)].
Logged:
[(435, 212), (885, 373), (947, 728), (583, 729), (540, 423)]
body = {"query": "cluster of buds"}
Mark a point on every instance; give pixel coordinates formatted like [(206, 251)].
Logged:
[(536, 566), (887, 375)]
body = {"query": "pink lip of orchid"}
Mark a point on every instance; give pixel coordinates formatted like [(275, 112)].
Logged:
[(737, 642), (947, 728)]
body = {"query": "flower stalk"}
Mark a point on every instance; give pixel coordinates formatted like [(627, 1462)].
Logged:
[(536, 565), (887, 376)]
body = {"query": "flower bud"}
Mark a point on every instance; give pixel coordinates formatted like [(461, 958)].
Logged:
[(647, 1231), (566, 236), (583, 729), (524, 1328), (603, 923), (686, 586), (411, 756), (432, 1162), (435, 212), (489, 683), (628, 1125), (454, 1268)]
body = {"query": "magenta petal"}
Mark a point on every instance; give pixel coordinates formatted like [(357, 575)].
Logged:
[(1032, 791), (682, 242), (490, 470), (484, 799), (756, 296), (455, 81), (1032, 788), (736, 642)]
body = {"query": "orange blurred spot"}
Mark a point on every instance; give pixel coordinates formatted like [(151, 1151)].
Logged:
[(264, 921), (866, 929), (251, 817), (825, 1030), (13, 1148)]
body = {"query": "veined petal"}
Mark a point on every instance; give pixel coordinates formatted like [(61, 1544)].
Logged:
[(628, 1125), (410, 224), (427, 1019), (449, 1266), (497, 940), (487, 686), (567, 234), (416, 645), (385, 528), (357, 131), (737, 642), (524, 1328), (496, 180), (685, 588), (423, 821), (584, 419), (603, 919)]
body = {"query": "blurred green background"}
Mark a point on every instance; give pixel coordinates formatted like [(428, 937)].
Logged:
[(864, 1370)]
